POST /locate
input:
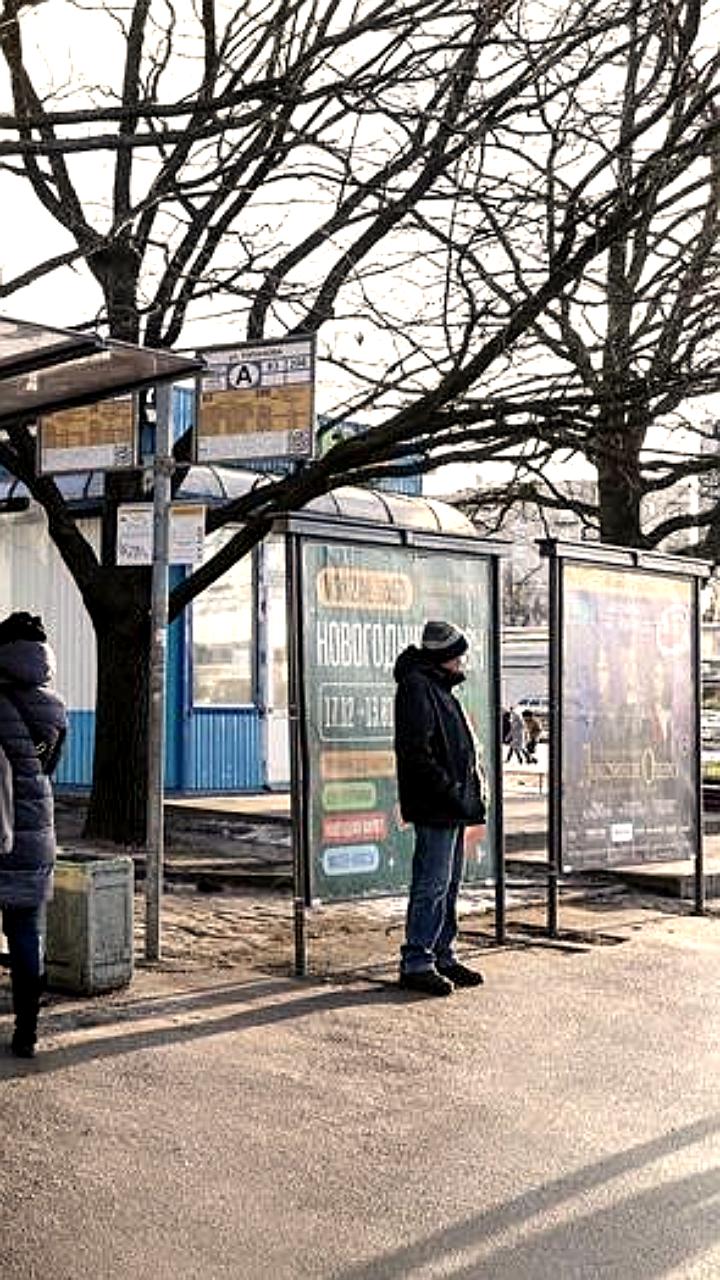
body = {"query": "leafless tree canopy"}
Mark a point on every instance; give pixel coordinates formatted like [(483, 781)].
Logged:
[(500, 220)]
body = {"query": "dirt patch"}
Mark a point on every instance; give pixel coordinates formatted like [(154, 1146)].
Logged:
[(255, 931)]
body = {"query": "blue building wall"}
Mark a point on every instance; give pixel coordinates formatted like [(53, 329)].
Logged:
[(206, 750), (75, 768), (224, 751)]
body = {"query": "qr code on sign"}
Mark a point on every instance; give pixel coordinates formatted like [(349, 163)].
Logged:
[(299, 442), (123, 455)]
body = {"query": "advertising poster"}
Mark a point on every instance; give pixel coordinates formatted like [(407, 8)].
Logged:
[(362, 606), (629, 750)]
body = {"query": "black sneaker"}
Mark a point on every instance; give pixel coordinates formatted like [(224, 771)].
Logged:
[(428, 981), (22, 1046), (460, 975)]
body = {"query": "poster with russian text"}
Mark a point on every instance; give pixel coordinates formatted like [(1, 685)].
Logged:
[(629, 737), (362, 606)]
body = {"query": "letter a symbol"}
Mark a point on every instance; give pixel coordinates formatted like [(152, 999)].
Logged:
[(243, 376)]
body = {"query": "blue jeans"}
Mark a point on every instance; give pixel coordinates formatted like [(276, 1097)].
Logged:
[(431, 925), (24, 928)]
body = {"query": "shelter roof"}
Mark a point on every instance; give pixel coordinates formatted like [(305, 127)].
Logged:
[(43, 369), (213, 484)]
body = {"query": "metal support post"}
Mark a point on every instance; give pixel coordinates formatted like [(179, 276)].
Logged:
[(554, 867), (497, 752), (154, 848), (298, 754), (699, 887), (300, 937)]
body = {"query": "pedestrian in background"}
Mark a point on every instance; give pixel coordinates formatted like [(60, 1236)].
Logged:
[(532, 735), (517, 737), (440, 793), (32, 729)]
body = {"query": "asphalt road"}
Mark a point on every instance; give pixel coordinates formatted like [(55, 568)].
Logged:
[(563, 1121)]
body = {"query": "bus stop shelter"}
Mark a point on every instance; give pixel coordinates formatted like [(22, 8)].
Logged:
[(358, 594), (44, 370)]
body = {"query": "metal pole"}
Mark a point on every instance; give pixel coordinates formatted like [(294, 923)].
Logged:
[(554, 746), (298, 766), (699, 908), (497, 748), (154, 847)]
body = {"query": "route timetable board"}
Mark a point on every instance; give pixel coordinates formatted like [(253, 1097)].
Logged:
[(629, 739), (256, 400), (361, 606), (96, 437)]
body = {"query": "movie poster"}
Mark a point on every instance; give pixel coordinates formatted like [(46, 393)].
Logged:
[(362, 605), (629, 749)]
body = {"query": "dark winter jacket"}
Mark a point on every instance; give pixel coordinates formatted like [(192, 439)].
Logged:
[(438, 781), (32, 728)]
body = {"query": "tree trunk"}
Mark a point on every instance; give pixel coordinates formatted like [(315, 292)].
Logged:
[(117, 809), (619, 492)]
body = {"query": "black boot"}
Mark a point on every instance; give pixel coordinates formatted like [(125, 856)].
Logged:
[(26, 1003)]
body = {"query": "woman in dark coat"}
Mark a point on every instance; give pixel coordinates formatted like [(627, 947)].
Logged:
[(32, 729)]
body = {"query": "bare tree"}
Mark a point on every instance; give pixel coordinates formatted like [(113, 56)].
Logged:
[(619, 367), (418, 182)]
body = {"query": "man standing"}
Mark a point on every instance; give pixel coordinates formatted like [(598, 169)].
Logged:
[(440, 793)]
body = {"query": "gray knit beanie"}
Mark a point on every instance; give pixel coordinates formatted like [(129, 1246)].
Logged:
[(442, 641)]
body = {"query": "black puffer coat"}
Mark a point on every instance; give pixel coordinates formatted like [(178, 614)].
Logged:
[(438, 782), (32, 728)]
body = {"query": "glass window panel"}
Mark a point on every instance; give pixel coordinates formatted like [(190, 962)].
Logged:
[(276, 624), (222, 635)]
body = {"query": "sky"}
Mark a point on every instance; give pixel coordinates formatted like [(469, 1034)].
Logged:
[(71, 298)]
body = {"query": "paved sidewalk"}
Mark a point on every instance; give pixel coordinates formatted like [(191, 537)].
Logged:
[(218, 1120)]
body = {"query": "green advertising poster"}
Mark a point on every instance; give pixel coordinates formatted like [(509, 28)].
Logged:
[(362, 605)]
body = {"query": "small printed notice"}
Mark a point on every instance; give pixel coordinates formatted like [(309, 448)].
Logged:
[(134, 544), (186, 534)]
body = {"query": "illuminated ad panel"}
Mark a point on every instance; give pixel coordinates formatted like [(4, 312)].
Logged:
[(362, 607), (629, 749)]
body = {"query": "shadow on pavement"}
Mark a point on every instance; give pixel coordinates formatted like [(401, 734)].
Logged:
[(178, 1008), (639, 1237)]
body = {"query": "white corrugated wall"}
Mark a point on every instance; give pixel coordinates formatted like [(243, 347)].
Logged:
[(33, 577)]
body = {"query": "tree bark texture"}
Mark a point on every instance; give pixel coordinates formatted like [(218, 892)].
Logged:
[(619, 492), (117, 809)]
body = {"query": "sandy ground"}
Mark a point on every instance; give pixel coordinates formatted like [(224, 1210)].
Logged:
[(254, 931)]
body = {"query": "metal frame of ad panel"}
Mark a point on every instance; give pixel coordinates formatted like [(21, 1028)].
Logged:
[(353, 604), (624, 684)]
